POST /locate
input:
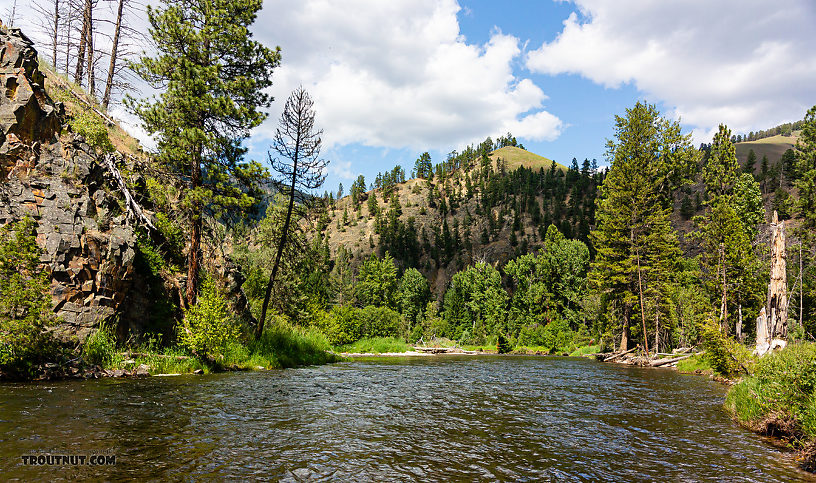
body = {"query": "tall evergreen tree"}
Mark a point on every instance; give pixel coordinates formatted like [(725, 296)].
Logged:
[(728, 259), (806, 185), (635, 242), (214, 78)]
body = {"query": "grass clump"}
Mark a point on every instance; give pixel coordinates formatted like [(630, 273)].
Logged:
[(586, 350), (778, 399), (695, 364), (375, 345), (283, 345), (100, 347)]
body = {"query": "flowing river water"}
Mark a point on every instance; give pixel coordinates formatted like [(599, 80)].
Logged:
[(383, 419)]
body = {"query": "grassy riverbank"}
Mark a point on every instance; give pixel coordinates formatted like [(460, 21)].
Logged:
[(281, 346), (778, 399)]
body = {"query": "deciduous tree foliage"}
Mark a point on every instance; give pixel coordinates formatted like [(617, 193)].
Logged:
[(475, 301), (213, 78), (414, 294)]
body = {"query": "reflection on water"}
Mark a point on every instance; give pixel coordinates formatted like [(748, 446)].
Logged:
[(445, 418)]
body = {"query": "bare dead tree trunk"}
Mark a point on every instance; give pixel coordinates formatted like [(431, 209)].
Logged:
[(297, 141), (114, 50), (642, 305), (56, 31), (83, 39), (657, 328), (777, 305), (624, 344), (90, 49), (724, 299), (739, 323), (195, 236)]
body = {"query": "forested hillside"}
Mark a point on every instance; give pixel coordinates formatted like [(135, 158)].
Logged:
[(489, 203)]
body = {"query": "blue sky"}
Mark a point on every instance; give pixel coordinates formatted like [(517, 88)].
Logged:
[(394, 78)]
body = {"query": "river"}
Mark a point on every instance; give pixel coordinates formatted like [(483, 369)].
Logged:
[(423, 418)]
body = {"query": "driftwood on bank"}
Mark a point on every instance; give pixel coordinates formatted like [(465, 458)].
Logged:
[(663, 362), (442, 350), (620, 354), (129, 355)]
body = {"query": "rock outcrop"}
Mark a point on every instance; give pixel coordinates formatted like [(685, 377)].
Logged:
[(58, 181)]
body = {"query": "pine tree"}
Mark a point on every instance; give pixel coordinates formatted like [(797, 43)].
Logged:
[(725, 234), (635, 242), (806, 185), (214, 78), (750, 162)]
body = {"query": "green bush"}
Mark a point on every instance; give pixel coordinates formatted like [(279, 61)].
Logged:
[(725, 356), (25, 305), (502, 344), (379, 322), (342, 326), (555, 336), (100, 347), (208, 327), (93, 129)]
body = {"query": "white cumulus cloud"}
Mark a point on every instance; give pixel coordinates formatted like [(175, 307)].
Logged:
[(748, 63), (398, 73)]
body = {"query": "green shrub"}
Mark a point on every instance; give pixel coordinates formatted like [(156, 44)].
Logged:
[(502, 344), (171, 232), (208, 327), (25, 305), (342, 326), (555, 336), (725, 356), (100, 347), (93, 129), (379, 322)]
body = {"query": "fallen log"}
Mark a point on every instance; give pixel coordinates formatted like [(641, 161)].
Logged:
[(663, 362), (130, 355), (616, 356)]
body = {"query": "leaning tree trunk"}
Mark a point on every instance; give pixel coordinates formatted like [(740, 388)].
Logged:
[(268, 294)]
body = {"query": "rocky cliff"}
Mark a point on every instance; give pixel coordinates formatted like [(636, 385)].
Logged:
[(58, 180)]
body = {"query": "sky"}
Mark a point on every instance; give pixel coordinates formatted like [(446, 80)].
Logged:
[(392, 79)]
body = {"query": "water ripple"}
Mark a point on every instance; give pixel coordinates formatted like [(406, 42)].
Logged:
[(429, 419)]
